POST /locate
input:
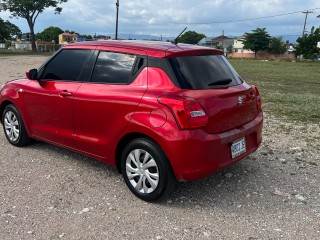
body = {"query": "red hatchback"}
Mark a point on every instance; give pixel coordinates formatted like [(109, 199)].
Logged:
[(159, 112)]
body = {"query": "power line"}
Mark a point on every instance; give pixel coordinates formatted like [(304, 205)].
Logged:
[(238, 20)]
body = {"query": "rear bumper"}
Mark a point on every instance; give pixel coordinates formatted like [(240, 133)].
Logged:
[(201, 154)]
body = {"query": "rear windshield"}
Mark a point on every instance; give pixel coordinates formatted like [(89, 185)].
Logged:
[(204, 72)]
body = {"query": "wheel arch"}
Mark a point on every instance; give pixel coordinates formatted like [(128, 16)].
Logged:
[(20, 110), (122, 144), (2, 107), (128, 138), (20, 138)]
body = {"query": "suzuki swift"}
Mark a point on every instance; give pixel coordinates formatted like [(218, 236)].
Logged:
[(158, 112)]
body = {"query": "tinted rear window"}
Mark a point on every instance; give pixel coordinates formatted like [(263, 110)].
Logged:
[(205, 72)]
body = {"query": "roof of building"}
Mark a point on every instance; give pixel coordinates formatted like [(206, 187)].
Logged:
[(221, 37), (216, 39)]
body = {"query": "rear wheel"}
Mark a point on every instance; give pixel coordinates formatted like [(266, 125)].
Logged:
[(146, 170), (13, 127)]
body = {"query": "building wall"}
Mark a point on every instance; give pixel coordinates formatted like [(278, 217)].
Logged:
[(238, 47), (237, 43), (45, 46), (216, 42), (69, 38), (23, 46), (262, 56)]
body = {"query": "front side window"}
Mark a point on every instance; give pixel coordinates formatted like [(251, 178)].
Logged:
[(66, 65), (113, 68), (205, 72)]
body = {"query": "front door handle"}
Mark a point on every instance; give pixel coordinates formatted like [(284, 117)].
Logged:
[(65, 94)]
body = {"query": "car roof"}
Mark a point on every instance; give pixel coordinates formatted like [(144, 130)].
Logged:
[(150, 48)]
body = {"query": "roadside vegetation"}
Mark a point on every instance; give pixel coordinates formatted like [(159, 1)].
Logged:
[(288, 89), (30, 10)]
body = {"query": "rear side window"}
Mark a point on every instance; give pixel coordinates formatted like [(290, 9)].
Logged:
[(66, 65), (204, 72), (113, 68)]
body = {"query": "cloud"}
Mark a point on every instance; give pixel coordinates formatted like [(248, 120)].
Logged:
[(168, 17)]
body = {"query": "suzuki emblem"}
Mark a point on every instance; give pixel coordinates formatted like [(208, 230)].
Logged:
[(240, 101)]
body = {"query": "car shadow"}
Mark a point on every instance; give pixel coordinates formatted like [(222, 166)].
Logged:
[(71, 156), (230, 186)]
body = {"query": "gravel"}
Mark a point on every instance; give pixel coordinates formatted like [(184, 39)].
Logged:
[(48, 192)]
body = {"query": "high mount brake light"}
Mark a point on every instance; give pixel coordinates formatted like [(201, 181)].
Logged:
[(187, 111), (258, 98)]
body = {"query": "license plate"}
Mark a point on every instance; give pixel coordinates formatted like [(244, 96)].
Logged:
[(238, 147)]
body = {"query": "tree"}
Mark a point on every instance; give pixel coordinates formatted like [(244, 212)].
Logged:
[(71, 32), (307, 45), (191, 37), (8, 30), (220, 47), (50, 34), (277, 46), (87, 37), (230, 49), (30, 10), (257, 40)]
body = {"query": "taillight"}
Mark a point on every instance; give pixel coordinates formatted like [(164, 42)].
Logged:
[(187, 111), (258, 98)]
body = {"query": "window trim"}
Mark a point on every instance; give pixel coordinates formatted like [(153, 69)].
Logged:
[(165, 65), (136, 70)]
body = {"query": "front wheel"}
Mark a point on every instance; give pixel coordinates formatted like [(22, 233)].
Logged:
[(13, 127), (146, 170)]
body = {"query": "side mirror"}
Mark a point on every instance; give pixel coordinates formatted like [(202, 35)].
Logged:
[(32, 74)]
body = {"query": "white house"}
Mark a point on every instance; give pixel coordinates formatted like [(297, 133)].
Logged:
[(238, 47), (23, 45)]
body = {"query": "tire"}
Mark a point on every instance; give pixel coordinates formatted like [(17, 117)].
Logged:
[(146, 170), (13, 127)]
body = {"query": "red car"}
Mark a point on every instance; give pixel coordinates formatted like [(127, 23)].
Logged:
[(158, 112)]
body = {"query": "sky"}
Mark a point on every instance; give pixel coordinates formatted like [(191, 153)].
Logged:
[(167, 18)]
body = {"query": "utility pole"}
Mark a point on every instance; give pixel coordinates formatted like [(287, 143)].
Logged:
[(222, 39), (117, 6), (305, 21)]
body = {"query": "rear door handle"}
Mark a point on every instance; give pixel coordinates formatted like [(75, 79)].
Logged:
[(65, 94)]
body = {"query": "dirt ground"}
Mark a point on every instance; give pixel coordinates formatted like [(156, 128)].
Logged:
[(48, 192)]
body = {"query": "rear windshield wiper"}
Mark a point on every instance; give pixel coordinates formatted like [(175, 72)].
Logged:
[(221, 82)]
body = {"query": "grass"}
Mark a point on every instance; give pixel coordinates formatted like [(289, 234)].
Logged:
[(289, 89)]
